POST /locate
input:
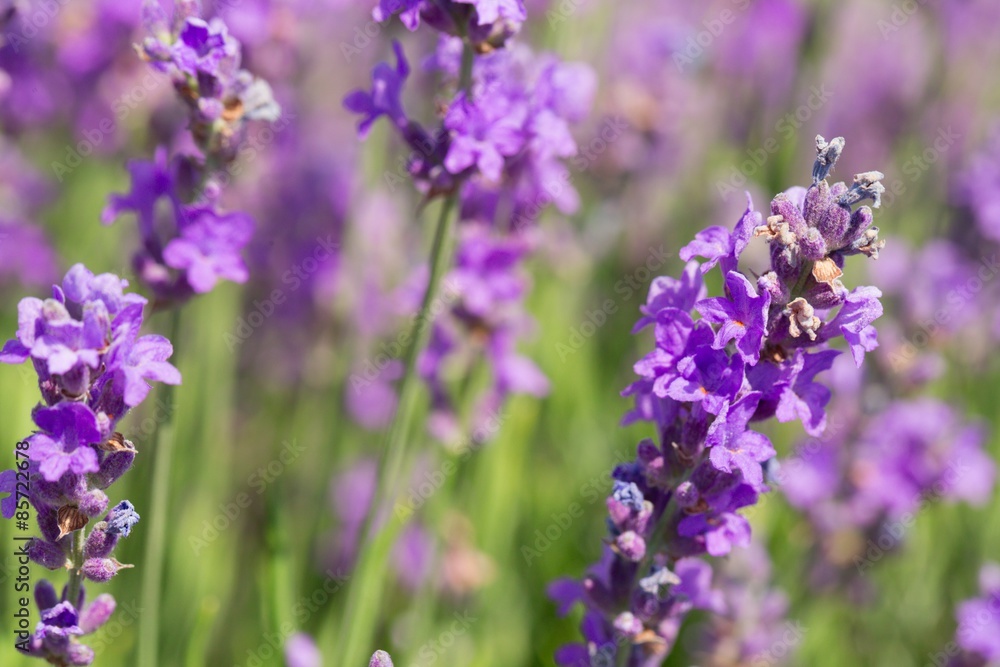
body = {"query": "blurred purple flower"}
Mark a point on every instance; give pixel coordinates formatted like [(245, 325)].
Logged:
[(384, 98)]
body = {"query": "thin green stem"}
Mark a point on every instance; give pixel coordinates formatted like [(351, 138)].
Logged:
[(75, 576), (358, 621), (357, 626), (465, 75), (156, 533), (279, 570)]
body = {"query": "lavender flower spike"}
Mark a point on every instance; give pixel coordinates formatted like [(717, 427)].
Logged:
[(754, 354), (92, 368)]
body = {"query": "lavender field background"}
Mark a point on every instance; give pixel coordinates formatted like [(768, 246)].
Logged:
[(877, 528)]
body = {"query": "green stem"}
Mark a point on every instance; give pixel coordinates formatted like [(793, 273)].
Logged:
[(358, 621), (156, 533), (278, 566), (465, 75), (357, 625), (75, 576)]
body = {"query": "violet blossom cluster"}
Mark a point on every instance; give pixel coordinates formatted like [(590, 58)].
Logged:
[(751, 355), (26, 256), (351, 500), (748, 624), (197, 244), (93, 367), (501, 143), (484, 322), (975, 192), (862, 485), (63, 64), (487, 23), (500, 148), (977, 637)]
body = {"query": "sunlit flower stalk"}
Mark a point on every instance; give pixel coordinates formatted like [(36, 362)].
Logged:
[(93, 368), (753, 354)]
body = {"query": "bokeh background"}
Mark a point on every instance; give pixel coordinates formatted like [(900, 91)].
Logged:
[(695, 104)]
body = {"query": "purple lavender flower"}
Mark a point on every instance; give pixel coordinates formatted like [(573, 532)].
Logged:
[(26, 257), (977, 618), (204, 62), (505, 137), (484, 132), (64, 445), (734, 447), (384, 98), (485, 292), (487, 22), (751, 626), (202, 246), (857, 484), (978, 188), (409, 11), (92, 369), (208, 248), (695, 387), (490, 11), (196, 245), (742, 316), (56, 638)]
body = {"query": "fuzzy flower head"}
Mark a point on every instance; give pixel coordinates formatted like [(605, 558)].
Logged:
[(488, 23), (502, 143), (92, 367), (190, 248), (56, 638), (204, 62), (485, 292), (385, 96), (70, 336), (720, 363)]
